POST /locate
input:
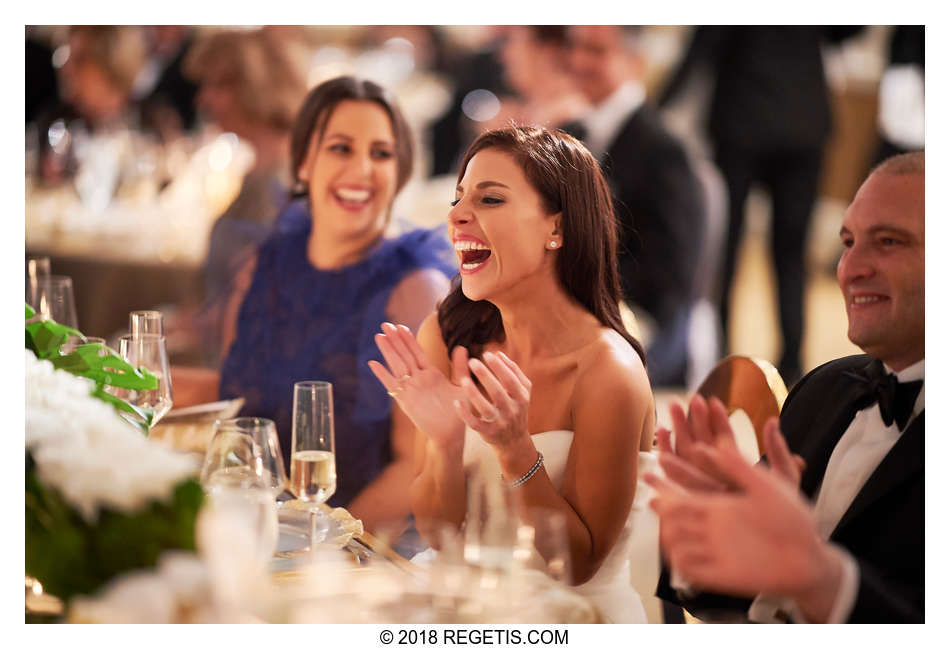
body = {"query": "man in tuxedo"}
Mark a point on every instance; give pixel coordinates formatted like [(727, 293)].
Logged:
[(657, 196), (837, 533), (769, 119)]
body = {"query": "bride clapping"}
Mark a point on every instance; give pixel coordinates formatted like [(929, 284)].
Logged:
[(542, 378)]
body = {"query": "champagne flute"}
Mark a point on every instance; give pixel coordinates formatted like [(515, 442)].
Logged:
[(312, 460), (148, 351), (269, 463)]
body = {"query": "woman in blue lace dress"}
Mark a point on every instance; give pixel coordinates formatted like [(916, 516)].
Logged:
[(322, 283)]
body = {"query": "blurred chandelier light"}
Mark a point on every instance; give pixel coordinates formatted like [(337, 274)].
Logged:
[(480, 105)]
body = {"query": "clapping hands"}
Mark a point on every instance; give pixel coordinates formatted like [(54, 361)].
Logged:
[(707, 425), (442, 407), (734, 528)]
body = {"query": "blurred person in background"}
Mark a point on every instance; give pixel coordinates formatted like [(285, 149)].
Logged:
[(901, 94), (478, 78), (42, 86), (251, 86), (657, 196), (769, 120), (536, 66), (166, 94), (308, 305), (95, 81)]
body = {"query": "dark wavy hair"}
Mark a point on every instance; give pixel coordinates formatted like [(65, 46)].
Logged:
[(569, 181), (317, 108)]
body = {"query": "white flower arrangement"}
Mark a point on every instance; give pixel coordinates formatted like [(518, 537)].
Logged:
[(87, 452)]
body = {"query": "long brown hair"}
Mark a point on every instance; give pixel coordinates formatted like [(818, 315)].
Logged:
[(569, 181)]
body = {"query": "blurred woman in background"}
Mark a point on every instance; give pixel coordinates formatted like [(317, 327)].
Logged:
[(311, 300), (96, 77), (251, 85)]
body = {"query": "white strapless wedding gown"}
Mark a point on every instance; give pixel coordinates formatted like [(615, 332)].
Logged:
[(612, 589)]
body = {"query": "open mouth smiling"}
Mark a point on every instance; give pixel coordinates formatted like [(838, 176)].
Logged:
[(353, 199), (472, 255)]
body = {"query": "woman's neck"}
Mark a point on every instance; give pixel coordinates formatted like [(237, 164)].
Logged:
[(543, 320)]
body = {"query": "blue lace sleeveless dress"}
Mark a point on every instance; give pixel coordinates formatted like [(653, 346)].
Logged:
[(299, 323)]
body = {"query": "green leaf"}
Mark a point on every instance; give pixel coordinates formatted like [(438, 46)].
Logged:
[(45, 337), (29, 311), (141, 418), (105, 370)]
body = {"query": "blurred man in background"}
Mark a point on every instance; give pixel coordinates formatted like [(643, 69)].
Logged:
[(769, 121), (657, 197)]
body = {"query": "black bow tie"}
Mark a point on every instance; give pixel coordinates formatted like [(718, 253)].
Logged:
[(896, 400)]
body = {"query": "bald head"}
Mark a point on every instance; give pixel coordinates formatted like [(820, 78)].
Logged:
[(904, 164)]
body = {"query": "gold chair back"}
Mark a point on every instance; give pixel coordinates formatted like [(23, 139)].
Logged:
[(747, 384)]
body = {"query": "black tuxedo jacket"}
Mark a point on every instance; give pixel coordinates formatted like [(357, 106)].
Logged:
[(658, 203), (770, 89), (883, 529)]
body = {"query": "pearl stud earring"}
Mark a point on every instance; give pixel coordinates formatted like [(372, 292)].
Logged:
[(552, 244)]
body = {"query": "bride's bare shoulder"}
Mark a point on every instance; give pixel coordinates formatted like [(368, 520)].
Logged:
[(611, 363)]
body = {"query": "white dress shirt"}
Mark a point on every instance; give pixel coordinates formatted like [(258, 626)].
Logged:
[(603, 122), (857, 454)]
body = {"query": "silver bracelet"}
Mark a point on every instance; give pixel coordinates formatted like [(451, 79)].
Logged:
[(527, 476)]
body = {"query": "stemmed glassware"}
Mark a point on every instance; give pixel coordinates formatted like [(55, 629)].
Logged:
[(312, 460), (234, 480), (268, 462), (52, 298), (146, 322), (148, 351), (37, 268)]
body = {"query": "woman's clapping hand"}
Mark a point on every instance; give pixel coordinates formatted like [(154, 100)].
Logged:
[(500, 415), (421, 389)]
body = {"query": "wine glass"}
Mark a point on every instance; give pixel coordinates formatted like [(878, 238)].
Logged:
[(148, 351), (231, 476), (312, 460), (269, 463), (543, 544), (146, 322), (53, 299), (70, 345), (36, 268), (231, 461)]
